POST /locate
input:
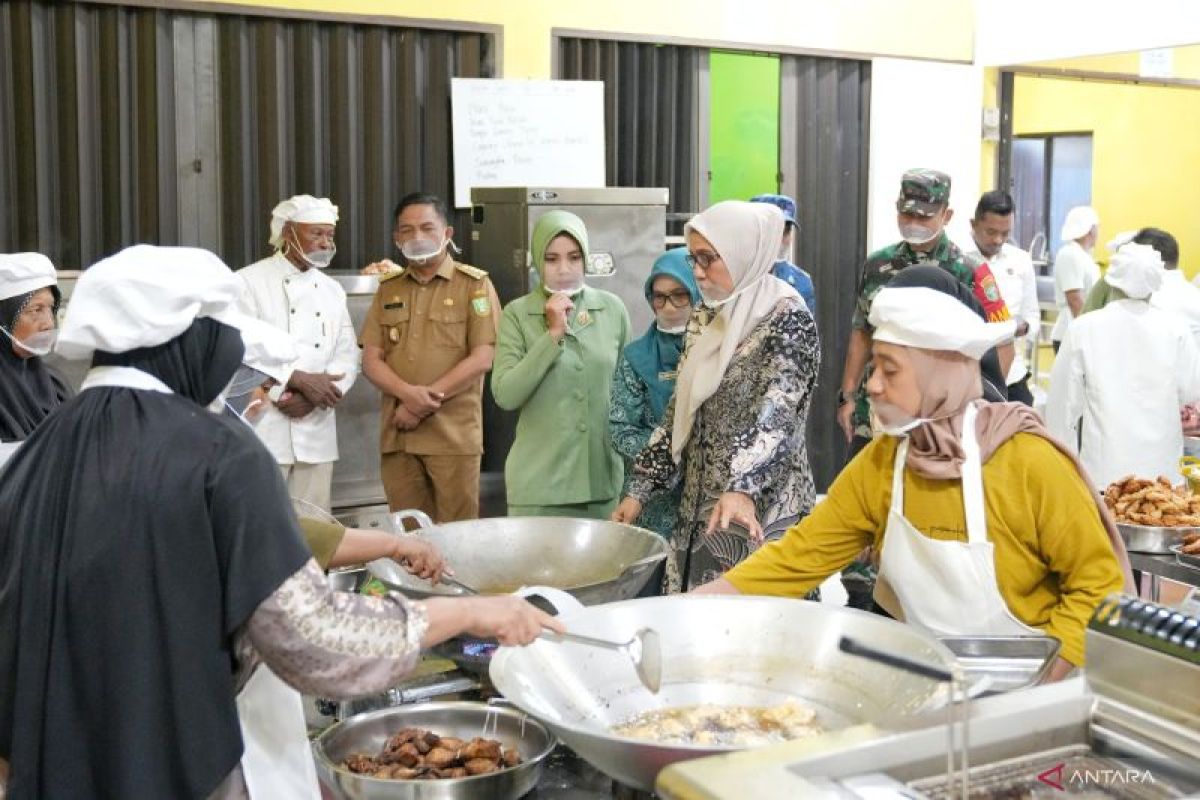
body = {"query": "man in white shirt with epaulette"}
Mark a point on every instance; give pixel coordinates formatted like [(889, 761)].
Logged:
[(290, 291), (1013, 269)]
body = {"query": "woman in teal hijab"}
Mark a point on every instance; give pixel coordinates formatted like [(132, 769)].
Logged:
[(555, 357), (645, 378)]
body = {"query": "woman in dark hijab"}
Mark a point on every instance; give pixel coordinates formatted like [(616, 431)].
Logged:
[(154, 586), (29, 389)]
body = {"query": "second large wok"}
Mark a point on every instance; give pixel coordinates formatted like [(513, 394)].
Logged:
[(725, 650), (589, 558)]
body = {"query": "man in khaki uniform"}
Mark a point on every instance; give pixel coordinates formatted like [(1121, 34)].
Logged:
[(428, 339)]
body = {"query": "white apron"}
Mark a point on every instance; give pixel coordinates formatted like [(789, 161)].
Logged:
[(277, 761), (948, 588)]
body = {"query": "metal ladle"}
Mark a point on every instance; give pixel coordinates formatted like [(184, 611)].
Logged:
[(644, 649)]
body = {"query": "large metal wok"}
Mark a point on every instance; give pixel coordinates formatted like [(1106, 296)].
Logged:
[(726, 650), (589, 558)]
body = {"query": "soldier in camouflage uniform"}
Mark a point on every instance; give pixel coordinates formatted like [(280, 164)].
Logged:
[(923, 211)]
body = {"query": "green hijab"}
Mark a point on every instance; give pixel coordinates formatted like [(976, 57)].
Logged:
[(548, 226)]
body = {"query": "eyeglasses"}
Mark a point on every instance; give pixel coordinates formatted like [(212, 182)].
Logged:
[(680, 298), (704, 259)]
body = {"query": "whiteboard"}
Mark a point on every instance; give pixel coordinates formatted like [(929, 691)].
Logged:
[(526, 133)]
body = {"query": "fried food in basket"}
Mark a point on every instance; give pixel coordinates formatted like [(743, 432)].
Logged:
[(1153, 503), (415, 753)]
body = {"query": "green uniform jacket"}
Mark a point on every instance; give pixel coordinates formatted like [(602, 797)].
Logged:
[(563, 452)]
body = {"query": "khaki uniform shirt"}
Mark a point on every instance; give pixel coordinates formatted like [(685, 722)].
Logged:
[(424, 329)]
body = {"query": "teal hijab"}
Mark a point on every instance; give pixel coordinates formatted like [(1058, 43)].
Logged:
[(655, 356), (549, 226)]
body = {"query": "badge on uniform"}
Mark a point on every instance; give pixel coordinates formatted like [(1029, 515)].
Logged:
[(449, 301), (584, 318), (481, 305)]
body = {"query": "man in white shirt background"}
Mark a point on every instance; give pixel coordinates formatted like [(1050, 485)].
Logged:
[(1074, 270), (288, 290), (1176, 294), (1013, 269)]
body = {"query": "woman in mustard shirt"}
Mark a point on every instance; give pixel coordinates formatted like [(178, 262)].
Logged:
[(555, 358), (984, 525)]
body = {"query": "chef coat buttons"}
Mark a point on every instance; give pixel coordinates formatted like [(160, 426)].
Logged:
[(579, 366), (582, 427), (293, 311)]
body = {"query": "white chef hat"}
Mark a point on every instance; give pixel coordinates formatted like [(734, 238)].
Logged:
[(146, 295), (1079, 221), (21, 273), (917, 316), (302, 208), (1135, 269)]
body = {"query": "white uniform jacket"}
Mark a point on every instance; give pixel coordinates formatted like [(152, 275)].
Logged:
[(311, 306)]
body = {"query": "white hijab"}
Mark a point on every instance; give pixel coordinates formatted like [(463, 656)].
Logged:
[(746, 236)]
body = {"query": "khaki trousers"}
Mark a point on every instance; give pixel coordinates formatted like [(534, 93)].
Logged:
[(312, 483), (444, 487)]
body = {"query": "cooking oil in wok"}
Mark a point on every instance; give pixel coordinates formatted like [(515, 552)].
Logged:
[(724, 726)]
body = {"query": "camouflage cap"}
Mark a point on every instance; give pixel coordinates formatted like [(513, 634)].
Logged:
[(924, 192)]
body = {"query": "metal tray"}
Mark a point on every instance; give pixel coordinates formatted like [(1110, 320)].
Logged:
[(1144, 539), (1186, 559), (1007, 662)]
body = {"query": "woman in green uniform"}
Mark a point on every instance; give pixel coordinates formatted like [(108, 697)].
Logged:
[(554, 364)]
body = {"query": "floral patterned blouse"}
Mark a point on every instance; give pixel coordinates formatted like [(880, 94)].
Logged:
[(748, 437)]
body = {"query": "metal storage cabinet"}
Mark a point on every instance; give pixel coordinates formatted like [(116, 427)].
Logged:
[(626, 229)]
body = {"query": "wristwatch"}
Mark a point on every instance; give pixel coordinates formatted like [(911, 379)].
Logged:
[(843, 398)]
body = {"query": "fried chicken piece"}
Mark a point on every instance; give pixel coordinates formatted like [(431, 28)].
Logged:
[(480, 766), (440, 758), (511, 757), (455, 772), (360, 764), (450, 743), (481, 748)]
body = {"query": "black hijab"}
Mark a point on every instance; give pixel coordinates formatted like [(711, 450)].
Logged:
[(138, 533), (931, 276), (29, 388)]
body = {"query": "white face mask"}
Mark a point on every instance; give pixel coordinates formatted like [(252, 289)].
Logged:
[(675, 329), (39, 344), (321, 259), (918, 234), (898, 423), (716, 304), (421, 249)]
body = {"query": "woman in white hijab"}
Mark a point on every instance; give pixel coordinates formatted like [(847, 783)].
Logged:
[(734, 431)]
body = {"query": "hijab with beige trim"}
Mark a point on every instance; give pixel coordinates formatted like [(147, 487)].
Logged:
[(746, 236), (950, 382)]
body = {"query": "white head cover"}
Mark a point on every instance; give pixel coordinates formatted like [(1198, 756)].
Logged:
[(1122, 238), (1136, 269), (917, 316), (1079, 221), (746, 236), (302, 208), (21, 273), (145, 296)]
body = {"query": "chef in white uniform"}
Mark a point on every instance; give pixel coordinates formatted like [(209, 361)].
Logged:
[(983, 524), (290, 291), (1122, 374), (1074, 270)]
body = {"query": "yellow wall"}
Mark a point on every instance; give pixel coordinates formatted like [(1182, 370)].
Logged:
[(938, 29), (1185, 63), (987, 150), (1145, 151)]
